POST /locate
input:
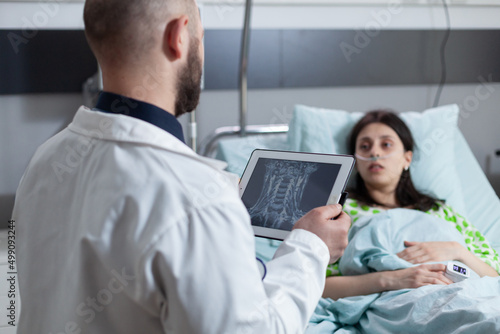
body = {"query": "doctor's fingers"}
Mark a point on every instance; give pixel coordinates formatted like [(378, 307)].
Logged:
[(332, 232), (321, 217), (336, 237), (326, 212)]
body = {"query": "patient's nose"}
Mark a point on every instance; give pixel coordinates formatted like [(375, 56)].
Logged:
[(374, 152)]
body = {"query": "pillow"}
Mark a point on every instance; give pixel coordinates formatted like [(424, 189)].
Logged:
[(482, 202), (434, 130)]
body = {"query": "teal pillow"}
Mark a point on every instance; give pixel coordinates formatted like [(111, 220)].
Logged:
[(434, 130)]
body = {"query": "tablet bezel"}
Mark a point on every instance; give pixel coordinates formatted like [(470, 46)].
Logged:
[(346, 163)]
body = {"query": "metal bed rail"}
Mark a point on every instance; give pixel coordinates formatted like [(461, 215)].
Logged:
[(208, 146)]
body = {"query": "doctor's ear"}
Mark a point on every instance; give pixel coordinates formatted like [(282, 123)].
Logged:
[(176, 38)]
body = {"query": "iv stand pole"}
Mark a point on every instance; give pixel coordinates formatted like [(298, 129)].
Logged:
[(245, 42)]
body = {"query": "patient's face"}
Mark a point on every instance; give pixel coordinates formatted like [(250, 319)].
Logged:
[(380, 140)]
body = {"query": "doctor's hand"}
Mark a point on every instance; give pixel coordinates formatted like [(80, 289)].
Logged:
[(332, 232), (434, 251)]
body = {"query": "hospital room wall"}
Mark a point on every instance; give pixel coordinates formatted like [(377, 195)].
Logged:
[(29, 120), (479, 117)]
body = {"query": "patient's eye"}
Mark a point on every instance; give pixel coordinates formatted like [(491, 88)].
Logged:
[(364, 146)]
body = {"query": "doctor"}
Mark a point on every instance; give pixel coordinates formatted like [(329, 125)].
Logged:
[(123, 229)]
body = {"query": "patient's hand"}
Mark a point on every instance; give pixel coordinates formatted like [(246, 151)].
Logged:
[(421, 252), (415, 277), (434, 251), (332, 232)]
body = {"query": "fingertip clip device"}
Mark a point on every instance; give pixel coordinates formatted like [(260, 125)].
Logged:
[(456, 272)]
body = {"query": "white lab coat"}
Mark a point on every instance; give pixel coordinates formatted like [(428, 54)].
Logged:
[(121, 228)]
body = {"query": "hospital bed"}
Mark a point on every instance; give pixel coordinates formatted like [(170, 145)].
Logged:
[(443, 166)]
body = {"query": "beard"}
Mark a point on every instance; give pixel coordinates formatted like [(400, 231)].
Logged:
[(189, 81)]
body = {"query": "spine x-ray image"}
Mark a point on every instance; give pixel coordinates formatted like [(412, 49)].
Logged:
[(281, 191), (284, 183)]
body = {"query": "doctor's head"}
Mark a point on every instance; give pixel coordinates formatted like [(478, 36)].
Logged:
[(150, 50), (383, 146)]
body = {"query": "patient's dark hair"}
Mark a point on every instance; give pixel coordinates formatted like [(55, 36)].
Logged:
[(406, 193)]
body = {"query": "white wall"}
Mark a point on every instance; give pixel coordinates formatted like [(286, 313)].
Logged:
[(405, 14), (267, 14), (26, 122)]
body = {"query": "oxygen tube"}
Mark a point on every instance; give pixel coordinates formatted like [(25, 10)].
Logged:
[(375, 158)]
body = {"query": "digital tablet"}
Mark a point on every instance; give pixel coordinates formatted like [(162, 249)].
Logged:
[(279, 187)]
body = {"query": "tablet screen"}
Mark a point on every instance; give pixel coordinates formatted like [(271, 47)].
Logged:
[(279, 192)]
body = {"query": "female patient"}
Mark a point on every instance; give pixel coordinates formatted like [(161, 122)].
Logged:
[(383, 146)]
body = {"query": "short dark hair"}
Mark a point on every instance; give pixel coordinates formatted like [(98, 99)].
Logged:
[(406, 193), (125, 26)]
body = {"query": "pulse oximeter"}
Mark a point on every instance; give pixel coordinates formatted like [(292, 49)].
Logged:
[(456, 271)]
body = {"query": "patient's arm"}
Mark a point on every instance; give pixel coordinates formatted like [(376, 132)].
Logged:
[(421, 252), (476, 264), (346, 286)]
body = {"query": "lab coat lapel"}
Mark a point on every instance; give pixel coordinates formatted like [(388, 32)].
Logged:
[(99, 125)]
